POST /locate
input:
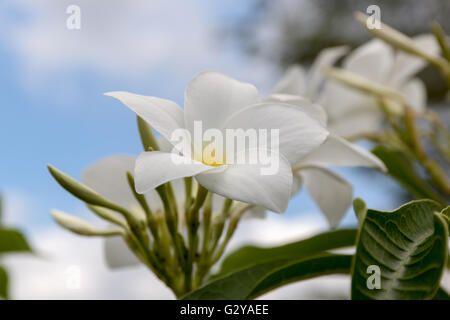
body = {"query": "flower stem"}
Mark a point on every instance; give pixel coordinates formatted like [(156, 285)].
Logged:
[(171, 225), (193, 224)]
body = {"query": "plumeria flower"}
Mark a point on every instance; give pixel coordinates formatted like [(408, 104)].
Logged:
[(220, 102), (352, 113), (332, 193), (297, 81)]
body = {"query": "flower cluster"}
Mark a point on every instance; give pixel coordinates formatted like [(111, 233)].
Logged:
[(230, 153)]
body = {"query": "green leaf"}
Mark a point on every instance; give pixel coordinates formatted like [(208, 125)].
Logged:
[(297, 271), (251, 282), (441, 294), (409, 245), (1, 209), (250, 255), (446, 215), (3, 283), (12, 241), (402, 169), (360, 208)]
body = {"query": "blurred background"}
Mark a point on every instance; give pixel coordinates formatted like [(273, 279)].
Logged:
[(53, 111)]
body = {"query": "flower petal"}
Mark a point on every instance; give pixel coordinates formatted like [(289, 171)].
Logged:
[(293, 82), (211, 97), (329, 191), (118, 255), (326, 58), (406, 65), (163, 115), (244, 182), (416, 94), (336, 151), (108, 177), (156, 168), (372, 60), (312, 109), (299, 134), (356, 123)]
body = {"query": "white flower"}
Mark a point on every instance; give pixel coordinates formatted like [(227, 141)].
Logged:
[(332, 193), (296, 81), (352, 113), (223, 103)]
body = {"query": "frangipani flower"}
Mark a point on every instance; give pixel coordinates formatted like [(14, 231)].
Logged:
[(220, 102), (352, 113), (332, 193), (296, 81)]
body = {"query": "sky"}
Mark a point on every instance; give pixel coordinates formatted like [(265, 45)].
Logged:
[(53, 111)]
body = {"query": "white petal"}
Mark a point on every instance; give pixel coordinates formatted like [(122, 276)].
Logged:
[(244, 182), (372, 60), (331, 193), (339, 100), (416, 94), (163, 115), (156, 168), (212, 97), (164, 144), (117, 253), (312, 109), (326, 58), (406, 65), (109, 178), (293, 82), (357, 122), (336, 151), (299, 134)]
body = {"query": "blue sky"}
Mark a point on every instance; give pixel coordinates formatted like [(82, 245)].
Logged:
[(53, 108)]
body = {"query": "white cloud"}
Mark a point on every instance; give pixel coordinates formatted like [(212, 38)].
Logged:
[(164, 40)]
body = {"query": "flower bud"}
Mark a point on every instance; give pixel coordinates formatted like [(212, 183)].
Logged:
[(81, 227)]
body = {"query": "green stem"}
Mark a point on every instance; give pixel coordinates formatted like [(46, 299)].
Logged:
[(171, 225), (193, 224)]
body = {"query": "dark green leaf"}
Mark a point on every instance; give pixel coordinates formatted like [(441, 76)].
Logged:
[(402, 169), (360, 208), (12, 241), (307, 269), (3, 283), (250, 282), (441, 294), (409, 245), (250, 255)]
